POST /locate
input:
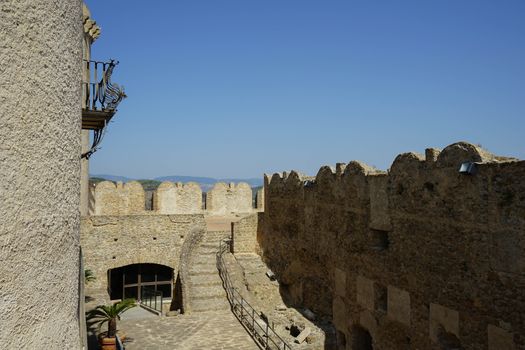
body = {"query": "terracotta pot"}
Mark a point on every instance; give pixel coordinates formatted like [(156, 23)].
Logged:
[(110, 343)]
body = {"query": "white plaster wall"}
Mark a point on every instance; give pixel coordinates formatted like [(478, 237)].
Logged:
[(40, 120)]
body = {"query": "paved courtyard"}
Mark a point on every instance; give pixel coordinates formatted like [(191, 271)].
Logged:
[(219, 330)]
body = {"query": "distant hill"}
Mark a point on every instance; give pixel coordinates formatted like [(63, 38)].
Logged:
[(111, 177), (206, 183)]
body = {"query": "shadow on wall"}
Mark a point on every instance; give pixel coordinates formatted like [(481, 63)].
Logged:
[(372, 250)]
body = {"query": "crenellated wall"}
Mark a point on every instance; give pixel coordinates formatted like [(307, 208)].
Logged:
[(178, 198), (420, 257), (230, 198), (118, 199), (109, 198)]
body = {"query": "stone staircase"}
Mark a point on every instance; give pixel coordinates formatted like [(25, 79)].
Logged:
[(206, 291)]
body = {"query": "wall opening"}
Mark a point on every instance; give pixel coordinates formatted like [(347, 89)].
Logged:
[(379, 240), (137, 281), (361, 339), (380, 297), (148, 198), (447, 340)]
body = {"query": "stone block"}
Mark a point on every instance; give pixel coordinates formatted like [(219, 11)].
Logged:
[(224, 199), (244, 236), (365, 292), (507, 252), (499, 338), (303, 335), (379, 211), (443, 317), (178, 198), (339, 313), (399, 305), (119, 199), (340, 282), (431, 155), (368, 321)]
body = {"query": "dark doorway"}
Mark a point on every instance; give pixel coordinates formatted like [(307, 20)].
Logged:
[(140, 280), (361, 339)]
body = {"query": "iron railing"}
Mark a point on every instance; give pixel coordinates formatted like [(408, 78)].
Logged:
[(98, 92), (258, 327), (152, 300)]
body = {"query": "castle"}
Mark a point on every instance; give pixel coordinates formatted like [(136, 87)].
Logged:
[(428, 255)]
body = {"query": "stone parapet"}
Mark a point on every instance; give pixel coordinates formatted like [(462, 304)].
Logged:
[(427, 255)]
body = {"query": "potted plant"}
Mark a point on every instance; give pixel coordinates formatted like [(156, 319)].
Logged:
[(109, 313)]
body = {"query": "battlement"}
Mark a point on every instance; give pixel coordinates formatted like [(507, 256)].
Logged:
[(178, 198), (109, 198), (431, 184), (229, 198), (430, 251), (118, 199)]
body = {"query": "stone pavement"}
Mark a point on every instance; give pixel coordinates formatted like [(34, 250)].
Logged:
[(213, 330), (221, 223), (137, 313)]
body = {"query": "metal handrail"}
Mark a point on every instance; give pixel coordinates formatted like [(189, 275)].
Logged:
[(258, 327), (150, 300)]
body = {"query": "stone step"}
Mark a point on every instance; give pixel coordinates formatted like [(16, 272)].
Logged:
[(210, 304), (207, 259), (206, 280), (205, 251), (203, 270), (207, 292), (202, 263)]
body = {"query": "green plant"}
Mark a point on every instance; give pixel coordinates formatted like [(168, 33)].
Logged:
[(109, 313), (89, 276)]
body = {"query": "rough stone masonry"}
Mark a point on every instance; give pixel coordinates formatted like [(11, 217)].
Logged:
[(420, 257)]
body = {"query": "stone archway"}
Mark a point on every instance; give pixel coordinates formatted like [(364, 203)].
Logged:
[(140, 280), (361, 339)]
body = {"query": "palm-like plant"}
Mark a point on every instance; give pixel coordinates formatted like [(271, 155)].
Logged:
[(109, 313)]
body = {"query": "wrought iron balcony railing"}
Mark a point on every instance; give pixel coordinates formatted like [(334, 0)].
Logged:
[(100, 95)]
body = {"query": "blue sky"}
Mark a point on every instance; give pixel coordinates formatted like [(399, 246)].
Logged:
[(236, 88)]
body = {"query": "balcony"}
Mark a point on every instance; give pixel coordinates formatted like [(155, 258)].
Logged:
[(100, 97)]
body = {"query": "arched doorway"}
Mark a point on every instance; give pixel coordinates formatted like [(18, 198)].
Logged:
[(361, 339), (138, 281)]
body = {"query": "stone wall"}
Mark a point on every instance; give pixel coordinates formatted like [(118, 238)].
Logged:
[(421, 257), (40, 117), (224, 199), (244, 234), (171, 198), (178, 198), (113, 241), (259, 199), (119, 199)]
